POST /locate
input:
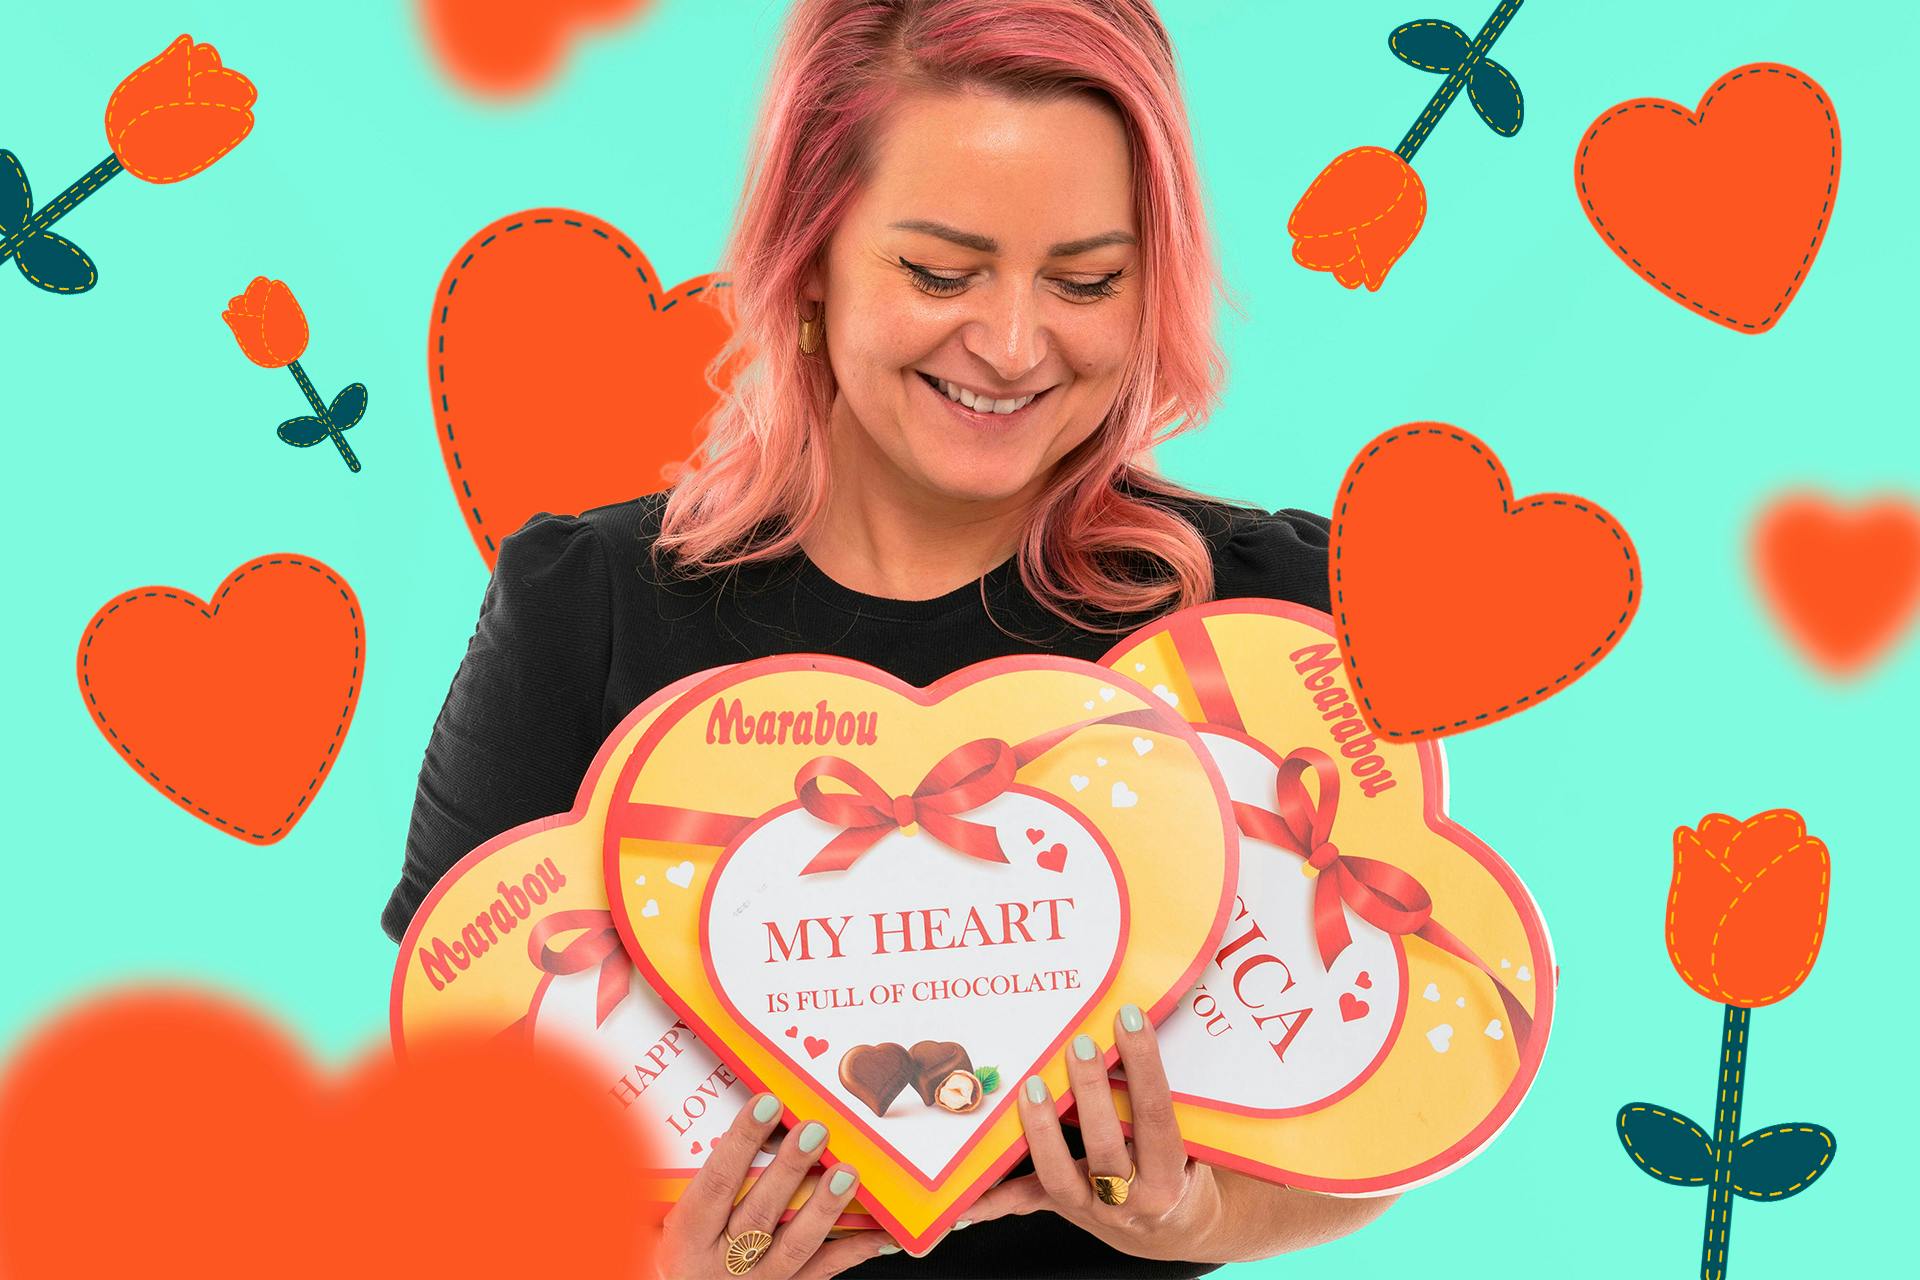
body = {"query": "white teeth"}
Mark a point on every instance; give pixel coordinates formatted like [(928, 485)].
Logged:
[(980, 404)]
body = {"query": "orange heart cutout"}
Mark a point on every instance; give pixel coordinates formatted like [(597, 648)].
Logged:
[(231, 1156), (1843, 582), (504, 48), (1458, 605), (466, 962), (1722, 208), (734, 849), (562, 371), (234, 711)]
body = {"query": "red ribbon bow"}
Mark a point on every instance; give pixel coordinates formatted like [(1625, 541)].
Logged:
[(599, 945), (1378, 892), (965, 778)]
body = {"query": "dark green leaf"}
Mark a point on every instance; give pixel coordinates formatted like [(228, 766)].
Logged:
[(1429, 44), (16, 196), (55, 264), (1495, 95), (1665, 1144), (1781, 1160), (348, 406), (302, 432)]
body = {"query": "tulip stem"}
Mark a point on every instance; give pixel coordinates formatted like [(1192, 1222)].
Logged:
[(1456, 79), (1726, 1140), (326, 418), (61, 205)]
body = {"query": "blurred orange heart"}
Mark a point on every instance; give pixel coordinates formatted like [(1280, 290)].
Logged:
[(1457, 603), (234, 710), (165, 1132), (1842, 581), (502, 48), (564, 374), (1721, 208)]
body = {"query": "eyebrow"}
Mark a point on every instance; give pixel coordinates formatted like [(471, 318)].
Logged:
[(987, 244)]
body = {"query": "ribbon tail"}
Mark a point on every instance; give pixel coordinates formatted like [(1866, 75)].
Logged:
[(1330, 932), (613, 985)]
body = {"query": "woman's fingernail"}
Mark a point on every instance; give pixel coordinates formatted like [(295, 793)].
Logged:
[(812, 1135), (1130, 1017), (840, 1181), (889, 1248), (1036, 1089), (964, 1222), (766, 1107), (1083, 1049)]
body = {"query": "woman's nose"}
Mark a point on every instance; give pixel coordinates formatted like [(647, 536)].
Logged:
[(1007, 333)]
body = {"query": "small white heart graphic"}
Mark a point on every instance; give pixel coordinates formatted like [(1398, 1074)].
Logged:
[(1124, 797), (1087, 705), (1167, 695), (681, 875), (1462, 1002), (1079, 781), (1523, 973), (651, 909), (1505, 963), (1139, 666), (641, 880), (1440, 1037), (1106, 694), (1495, 1031), (1432, 993), (1100, 760), (1142, 745)]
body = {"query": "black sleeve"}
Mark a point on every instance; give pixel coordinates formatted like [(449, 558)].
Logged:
[(1282, 556), (522, 719)]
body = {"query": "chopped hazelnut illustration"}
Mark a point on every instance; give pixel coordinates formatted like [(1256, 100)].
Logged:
[(960, 1091)]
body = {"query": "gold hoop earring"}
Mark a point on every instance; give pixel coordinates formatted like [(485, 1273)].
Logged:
[(812, 329)]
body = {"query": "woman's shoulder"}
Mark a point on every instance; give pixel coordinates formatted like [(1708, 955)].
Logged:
[(1276, 554)]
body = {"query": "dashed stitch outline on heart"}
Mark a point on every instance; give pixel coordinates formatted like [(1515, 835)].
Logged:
[(605, 231), (1694, 118), (1509, 508), (232, 580)]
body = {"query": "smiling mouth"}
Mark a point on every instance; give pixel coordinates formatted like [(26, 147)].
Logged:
[(974, 415)]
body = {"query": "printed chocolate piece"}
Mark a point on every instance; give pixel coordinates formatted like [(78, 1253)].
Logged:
[(934, 1061), (960, 1091), (876, 1073)]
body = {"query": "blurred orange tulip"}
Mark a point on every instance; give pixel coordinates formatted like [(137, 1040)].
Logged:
[(179, 113), (1747, 906), (1358, 217), (268, 321)]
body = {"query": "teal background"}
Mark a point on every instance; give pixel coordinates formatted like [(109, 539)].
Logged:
[(140, 450)]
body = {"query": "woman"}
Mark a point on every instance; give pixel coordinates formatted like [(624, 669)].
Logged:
[(986, 217)]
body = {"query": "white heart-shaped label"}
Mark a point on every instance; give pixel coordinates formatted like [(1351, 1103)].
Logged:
[(1441, 1037), (1079, 781), (1142, 745), (1124, 797), (785, 943), (1167, 695), (681, 874), (652, 908), (1495, 1031), (1106, 694)]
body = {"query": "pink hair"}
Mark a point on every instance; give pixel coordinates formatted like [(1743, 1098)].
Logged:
[(839, 68)]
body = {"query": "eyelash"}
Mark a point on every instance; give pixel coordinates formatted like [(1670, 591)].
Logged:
[(945, 286)]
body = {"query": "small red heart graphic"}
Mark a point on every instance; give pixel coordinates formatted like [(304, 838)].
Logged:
[(1843, 583), (792, 1032), (815, 1046), (698, 1147), (235, 711), (546, 323), (1721, 208), (1054, 858), (1352, 1008), (1036, 835), (1364, 980), (1431, 651)]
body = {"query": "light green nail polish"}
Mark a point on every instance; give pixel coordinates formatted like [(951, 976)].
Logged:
[(840, 1181), (766, 1108), (1130, 1017), (1083, 1048), (964, 1222), (1036, 1089), (889, 1248), (812, 1135)]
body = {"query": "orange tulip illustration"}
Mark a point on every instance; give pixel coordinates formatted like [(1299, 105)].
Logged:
[(1358, 217), (1746, 909), (1747, 906), (179, 113), (271, 329), (1365, 208), (167, 121)]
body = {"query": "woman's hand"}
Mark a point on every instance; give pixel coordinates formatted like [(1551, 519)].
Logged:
[(1175, 1205), (693, 1236)]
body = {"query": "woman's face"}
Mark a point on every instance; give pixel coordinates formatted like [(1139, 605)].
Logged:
[(1027, 208)]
